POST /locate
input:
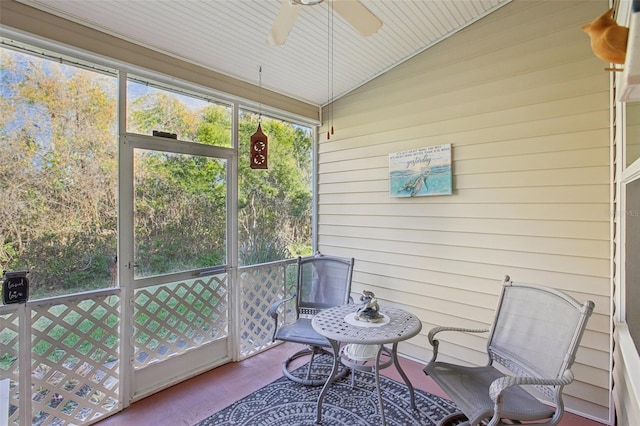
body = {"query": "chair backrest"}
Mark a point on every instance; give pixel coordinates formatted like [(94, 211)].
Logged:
[(537, 331), (323, 282)]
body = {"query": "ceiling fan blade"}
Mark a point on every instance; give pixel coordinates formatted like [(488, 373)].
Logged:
[(283, 23), (356, 14)]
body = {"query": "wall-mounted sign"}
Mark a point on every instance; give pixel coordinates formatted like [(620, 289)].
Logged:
[(419, 172), (15, 287)]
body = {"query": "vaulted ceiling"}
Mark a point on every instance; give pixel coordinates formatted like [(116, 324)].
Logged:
[(230, 37)]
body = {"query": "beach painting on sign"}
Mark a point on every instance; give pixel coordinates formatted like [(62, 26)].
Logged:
[(420, 172)]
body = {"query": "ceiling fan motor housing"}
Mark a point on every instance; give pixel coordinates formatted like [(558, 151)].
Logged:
[(306, 2)]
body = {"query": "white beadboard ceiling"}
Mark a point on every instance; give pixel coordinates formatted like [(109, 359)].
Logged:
[(230, 37)]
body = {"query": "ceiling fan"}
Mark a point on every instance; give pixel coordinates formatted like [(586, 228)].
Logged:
[(354, 12)]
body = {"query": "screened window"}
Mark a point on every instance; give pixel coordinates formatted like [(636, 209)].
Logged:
[(632, 273), (632, 126), (631, 218), (180, 115), (180, 212), (58, 173), (274, 206)]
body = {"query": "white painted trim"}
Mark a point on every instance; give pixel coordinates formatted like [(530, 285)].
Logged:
[(125, 247), (4, 401), (631, 360)]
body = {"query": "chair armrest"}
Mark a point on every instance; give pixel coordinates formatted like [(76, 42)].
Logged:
[(436, 330), (273, 313), (434, 342), (499, 385), (273, 310)]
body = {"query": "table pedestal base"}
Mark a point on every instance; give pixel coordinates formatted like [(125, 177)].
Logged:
[(393, 353), (337, 326)]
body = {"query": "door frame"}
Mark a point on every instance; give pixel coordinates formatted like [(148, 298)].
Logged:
[(134, 384)]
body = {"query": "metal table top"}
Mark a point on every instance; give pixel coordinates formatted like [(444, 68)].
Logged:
[(337, 324)]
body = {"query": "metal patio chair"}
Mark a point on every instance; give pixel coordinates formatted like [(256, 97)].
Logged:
[(535, 335), (323, 282)]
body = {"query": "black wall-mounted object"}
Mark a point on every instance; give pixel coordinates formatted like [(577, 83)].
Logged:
[(15, 287), (167, 135)]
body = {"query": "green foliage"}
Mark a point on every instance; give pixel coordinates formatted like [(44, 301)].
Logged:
[(163, 112), (180, 212), (59, 171), (262, 250), (215, 126), (300, 249), (274, 204), (58, 165)]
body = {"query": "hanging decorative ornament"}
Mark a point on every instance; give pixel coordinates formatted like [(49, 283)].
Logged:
[(259, 149), (259, 141)]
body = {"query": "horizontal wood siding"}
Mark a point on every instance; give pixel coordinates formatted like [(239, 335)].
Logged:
[(525, 105)]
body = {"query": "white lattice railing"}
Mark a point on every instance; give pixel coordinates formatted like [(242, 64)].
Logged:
[(75, 359), (261, 286), (170, 319), (70, 364), (9, 359), (64, 352)]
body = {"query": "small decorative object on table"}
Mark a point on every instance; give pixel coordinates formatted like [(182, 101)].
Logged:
[(369, 308)]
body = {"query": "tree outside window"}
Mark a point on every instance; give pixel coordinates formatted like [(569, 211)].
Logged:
[(59, 171)]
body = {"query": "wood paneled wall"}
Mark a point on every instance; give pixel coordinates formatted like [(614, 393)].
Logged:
[(525, 105)]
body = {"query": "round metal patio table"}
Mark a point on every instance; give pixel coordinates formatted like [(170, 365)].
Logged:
[(338, 325)]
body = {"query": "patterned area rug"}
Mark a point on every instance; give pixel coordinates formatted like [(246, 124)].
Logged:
[(285, 403)]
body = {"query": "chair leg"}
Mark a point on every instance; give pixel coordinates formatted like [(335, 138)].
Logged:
[(306, 379), (458, 417), (310, 365)]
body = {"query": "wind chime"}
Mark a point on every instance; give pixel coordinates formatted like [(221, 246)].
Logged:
[(330, 71), (259, 141)]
